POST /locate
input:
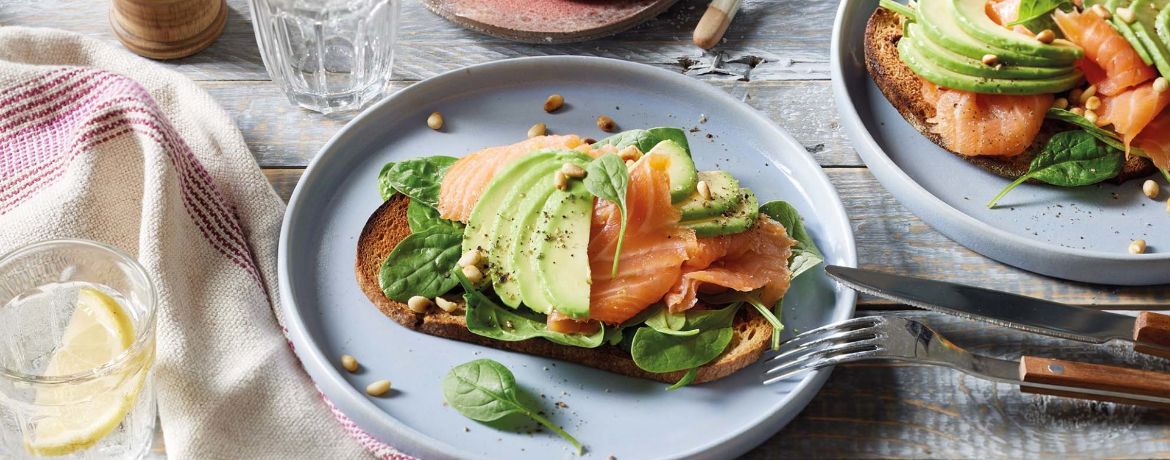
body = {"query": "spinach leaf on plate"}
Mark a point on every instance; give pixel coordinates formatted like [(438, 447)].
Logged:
[(385, 189), (418, 179), (487, 319), (686, 379), (485, 390), (654, 351), (423, 264), (646, 139), (421, 217), (805, 254), (609, 179), (1070, 159)]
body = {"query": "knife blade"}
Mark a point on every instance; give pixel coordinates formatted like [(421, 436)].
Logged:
[(1149, 332)]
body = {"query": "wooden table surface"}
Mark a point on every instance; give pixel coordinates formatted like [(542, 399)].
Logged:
[(776, 58)]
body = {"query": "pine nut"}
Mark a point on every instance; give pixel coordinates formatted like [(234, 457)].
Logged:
[(1091, 116), (470, 258), (560, 180), (419, 304), (349, 363), (472, 273), (572, 171), (1161, 85), (537, 130), (1093, 103), (704, 190), (554, 103), (990, 60), (1077, 111), (629, 163), (1151, 189), (1168, 205), (1137, 247), (435, 121), (1125, 14), (605, 123), (378, 388), (1089, 92), (1101, 11), (1060, 103), (631, 152), (1046, 36), (446, 305)]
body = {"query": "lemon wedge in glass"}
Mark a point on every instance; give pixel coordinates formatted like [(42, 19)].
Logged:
[(74, 416)]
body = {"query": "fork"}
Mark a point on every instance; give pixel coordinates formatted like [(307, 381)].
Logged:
[(902, 339)]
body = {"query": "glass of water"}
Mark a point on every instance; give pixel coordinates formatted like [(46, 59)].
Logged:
[(77, 335), (327, 55)]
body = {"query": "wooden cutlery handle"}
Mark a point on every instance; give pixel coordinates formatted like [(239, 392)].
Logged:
[(1093, 377), (1152, 328)]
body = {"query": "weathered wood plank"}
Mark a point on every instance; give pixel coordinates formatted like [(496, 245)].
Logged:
[(869, 410), (282, 135), (769, 40), (890, 238)]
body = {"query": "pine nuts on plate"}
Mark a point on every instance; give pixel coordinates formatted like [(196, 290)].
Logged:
[(378, 388)]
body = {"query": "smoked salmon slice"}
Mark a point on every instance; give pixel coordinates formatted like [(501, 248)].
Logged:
[(1155, 140), (467, 178), (1004, 12), (743, 261), (1132, 111), (654, 250), (985, 124), (1107, 48)]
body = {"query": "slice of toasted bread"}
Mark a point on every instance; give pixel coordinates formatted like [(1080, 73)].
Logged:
[(387, 226), (903, 89)]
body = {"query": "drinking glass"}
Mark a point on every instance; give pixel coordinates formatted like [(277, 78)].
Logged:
[(77, 335), (327, 55)]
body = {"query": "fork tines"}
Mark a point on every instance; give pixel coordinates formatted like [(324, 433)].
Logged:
[(826, 346)]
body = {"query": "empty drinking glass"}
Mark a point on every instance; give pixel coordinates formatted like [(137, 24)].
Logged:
[(327, 55)]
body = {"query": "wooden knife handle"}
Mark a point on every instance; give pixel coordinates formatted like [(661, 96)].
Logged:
[(1074, 374), (1152, 328)]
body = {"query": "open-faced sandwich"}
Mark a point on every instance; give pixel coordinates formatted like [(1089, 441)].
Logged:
[(616, 254), (1065, 92)]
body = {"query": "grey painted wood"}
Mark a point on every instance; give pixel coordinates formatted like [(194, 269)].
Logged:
[(890, 238), (770, 40)]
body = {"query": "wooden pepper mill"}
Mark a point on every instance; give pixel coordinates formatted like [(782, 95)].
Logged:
[(167, 29)]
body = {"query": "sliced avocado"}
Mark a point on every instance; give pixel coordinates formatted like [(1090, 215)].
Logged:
[(735, 220), (953, 61), (1145, 28), (523, 200), (529, 228), (562, 254), (682, 169), (724, 195), (1125, 29), (519, 172), (928, 69), (972, 18), (941, 27)]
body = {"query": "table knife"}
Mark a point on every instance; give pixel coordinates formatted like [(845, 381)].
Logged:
[(1149, 332)]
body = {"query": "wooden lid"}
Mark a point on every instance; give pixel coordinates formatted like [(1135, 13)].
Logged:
[(548, 21)]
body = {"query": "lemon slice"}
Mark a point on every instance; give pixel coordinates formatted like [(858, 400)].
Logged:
[(74, 416)]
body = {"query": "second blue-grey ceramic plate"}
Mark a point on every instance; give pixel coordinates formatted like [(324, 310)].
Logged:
[(1081, 234), (493, 104)]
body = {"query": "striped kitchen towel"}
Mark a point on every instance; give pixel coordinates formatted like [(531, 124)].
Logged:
[(97, 143)]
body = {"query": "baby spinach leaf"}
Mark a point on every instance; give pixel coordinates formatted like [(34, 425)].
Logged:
[(805, 254), (662, 320), (654, 351), (422, 264), (384, 188), (419, 178), (646, 139), (1031, 10), (1070, 159), (487, 319), (1106, 136), (485, 390), (766, 312), (609, 179), (685, 380), (421, 217)]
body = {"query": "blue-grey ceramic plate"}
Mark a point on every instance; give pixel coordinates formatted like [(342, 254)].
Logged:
[(493, 104), (1081, 234)]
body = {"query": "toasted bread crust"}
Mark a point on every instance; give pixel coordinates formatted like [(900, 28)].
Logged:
[(903, 89), (388, 225)]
